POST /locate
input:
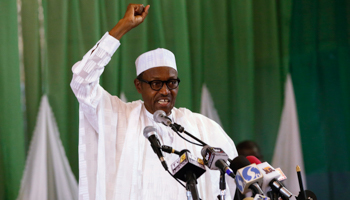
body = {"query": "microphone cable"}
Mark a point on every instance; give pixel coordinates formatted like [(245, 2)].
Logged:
[(176, 179), (178, 133)]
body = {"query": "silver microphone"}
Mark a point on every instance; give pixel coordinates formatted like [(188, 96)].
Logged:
[(151, 134), (160, 117)]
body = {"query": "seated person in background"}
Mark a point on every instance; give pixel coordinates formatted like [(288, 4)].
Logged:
[(249, 148)]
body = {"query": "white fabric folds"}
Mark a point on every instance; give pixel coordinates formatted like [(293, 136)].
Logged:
[(207, 106), (47, 174), (288, 151)]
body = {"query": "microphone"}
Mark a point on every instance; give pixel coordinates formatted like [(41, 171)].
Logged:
[(151, 134), (270, 178), (302, 194), (253, 159), (187, 162), (248, 176), (160, 117), (215, 158), (188, 169), (283, 176)]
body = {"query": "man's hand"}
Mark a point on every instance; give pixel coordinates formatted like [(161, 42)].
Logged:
[(134, 15)]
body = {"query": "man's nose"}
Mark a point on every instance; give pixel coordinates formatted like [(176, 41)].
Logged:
[(164, 90)]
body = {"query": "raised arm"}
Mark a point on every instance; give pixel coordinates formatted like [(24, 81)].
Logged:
[(87, 72), (135, 14)]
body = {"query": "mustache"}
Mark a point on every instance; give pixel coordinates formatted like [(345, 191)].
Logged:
[(162, 96)]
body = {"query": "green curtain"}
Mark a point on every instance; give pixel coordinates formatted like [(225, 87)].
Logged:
[(236, 48), (12, 146), (239, 49), (320, 59)]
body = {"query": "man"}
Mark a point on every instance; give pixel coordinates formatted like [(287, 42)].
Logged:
[(249, 148), (115, 159)]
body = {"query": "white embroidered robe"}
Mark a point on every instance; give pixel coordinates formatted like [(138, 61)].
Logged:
[(115, 159)]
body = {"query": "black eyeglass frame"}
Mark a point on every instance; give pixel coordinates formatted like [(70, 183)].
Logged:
[(166, 83)]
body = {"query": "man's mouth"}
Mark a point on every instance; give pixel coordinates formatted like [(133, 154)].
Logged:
[(163, 101)]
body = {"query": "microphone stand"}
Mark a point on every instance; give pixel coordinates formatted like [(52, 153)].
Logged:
[(272, 195), (189, 176), (222, 186), (256, 189), (191, 180), (304, 194), (191, 185)]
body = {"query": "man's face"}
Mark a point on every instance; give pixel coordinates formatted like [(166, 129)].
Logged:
[(164, 99)]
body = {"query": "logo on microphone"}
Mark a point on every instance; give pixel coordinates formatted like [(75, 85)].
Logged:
[(283, 176), (207, 156), (200, 161), (251, 173), (218, 150), (268, 170), (239, 182), (183, 157)]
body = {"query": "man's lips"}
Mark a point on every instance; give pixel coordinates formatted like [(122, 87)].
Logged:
[(163, 101)]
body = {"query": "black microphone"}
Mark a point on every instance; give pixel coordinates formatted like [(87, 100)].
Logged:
[(215, 159), (185, 163), (188, 169), (151, 134), (160, 117), (304, 194)]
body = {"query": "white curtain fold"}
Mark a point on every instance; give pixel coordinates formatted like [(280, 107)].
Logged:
[(207, 106), (123, 97), (47, 174), (288, 150)]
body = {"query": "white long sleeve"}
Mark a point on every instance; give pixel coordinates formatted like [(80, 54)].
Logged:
[(87, 72)]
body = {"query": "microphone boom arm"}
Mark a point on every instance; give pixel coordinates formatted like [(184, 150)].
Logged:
[(178, 128)]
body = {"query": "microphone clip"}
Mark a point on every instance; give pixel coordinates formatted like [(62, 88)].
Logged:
[(177, 127)]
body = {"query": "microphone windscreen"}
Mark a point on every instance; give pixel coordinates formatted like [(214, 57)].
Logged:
[(157, 116), (253, 159), (147, 130), (239, 162)]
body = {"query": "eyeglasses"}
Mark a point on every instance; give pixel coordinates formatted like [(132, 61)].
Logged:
[(158, 84)]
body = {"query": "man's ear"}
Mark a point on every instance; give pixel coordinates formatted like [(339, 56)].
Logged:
[(137, 83)]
